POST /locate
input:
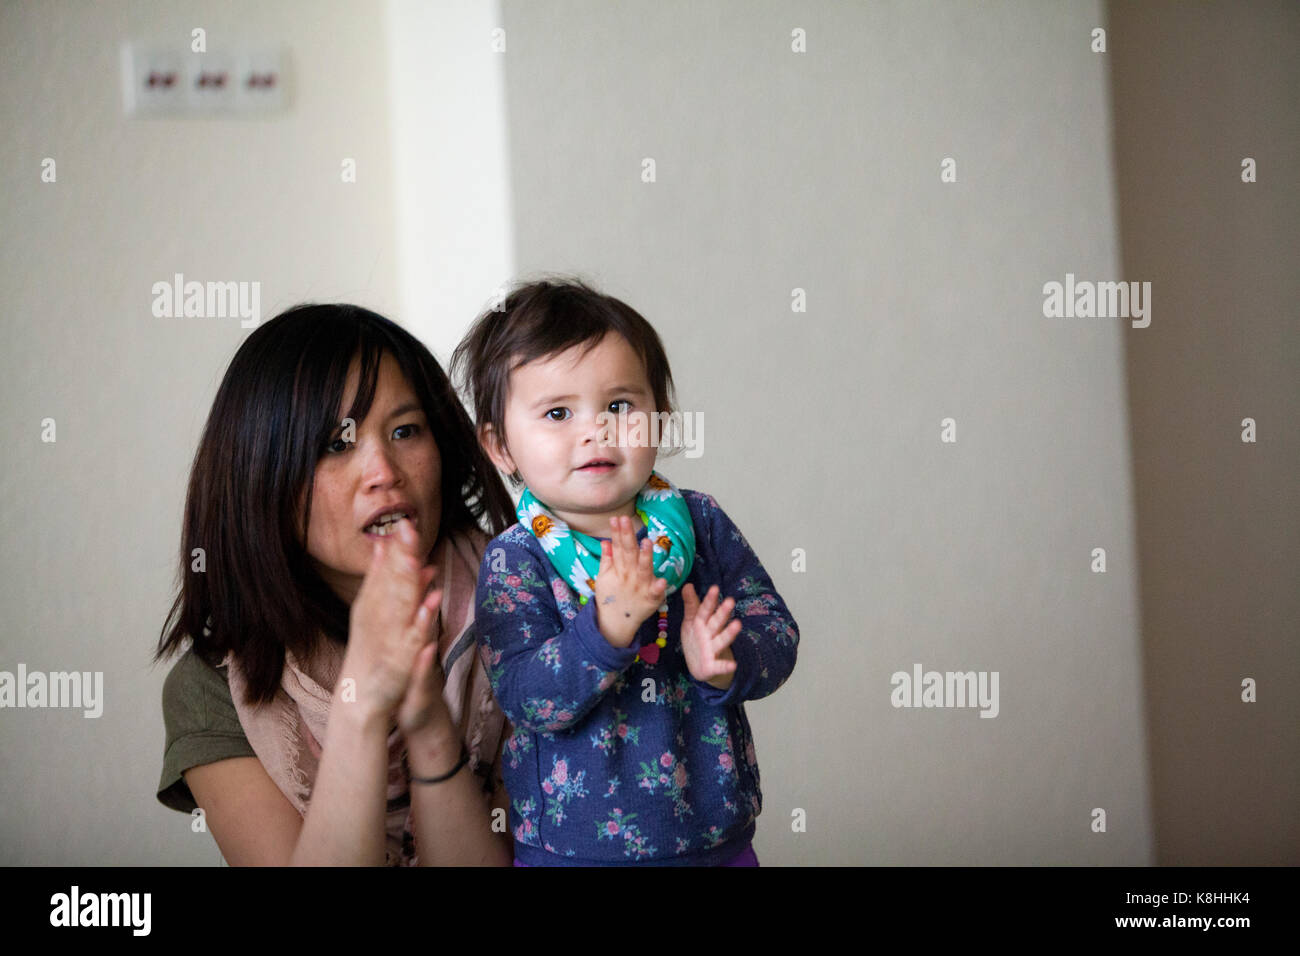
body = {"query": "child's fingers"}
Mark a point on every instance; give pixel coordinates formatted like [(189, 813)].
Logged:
[(644, 556), (628, 540), (718, 619), (626, 551), (690, 603), (708, 605), (718, 666), (720, 641), (605, 573), (612, 548)]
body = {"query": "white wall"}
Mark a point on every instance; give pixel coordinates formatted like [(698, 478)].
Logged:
[(449, 143), (774, 171), (91, 523), (820, 170)]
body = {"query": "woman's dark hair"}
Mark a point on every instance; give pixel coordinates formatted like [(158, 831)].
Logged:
[(249, 495), (543, 318)]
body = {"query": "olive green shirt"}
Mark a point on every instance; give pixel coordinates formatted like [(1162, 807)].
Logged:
[(202, 726)]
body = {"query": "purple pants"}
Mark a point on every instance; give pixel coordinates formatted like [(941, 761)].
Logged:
[(747, 857)]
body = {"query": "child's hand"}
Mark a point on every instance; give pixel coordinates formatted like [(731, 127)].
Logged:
[(706, 637), (627, 590)]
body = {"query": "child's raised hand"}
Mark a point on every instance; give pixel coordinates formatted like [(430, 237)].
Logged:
[(627, 590), (707, 637)]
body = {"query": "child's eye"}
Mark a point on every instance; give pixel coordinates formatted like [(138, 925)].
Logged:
[(620, 401), (548, 414)]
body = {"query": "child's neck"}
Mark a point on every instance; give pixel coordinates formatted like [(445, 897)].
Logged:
[(598, 525)]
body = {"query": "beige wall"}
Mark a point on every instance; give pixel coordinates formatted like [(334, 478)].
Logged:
[(820, 171), (775, 171), (90, 524), (1197, 88)]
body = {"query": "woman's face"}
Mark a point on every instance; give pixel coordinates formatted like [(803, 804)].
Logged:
[(393, 462)]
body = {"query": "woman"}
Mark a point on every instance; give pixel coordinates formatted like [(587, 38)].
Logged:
[(332, 709)]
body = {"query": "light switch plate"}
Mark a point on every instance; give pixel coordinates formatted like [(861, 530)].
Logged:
[(168, 80)]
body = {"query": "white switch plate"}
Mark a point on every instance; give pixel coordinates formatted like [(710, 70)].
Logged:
[(170, 80)]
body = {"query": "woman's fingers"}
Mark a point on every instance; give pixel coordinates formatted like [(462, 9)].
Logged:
[(400, 584), (428, 609), (420, 630)]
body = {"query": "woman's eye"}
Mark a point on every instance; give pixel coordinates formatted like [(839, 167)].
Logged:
[(550, 414), (340, 445)]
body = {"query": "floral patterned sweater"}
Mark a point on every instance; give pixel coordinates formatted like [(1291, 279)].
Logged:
[(614, 760)]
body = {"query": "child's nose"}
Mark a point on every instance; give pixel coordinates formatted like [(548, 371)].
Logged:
[(598, 431)]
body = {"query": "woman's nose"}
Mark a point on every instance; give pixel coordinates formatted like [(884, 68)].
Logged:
[(379, 466)]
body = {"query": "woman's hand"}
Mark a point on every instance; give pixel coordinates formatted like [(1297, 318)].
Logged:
[(423, 709), (391, 622)]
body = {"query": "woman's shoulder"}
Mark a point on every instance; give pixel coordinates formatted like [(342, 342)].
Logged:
[(202, 725), (193, 690)]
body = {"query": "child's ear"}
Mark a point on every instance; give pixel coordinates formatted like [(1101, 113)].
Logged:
[(488, 438)]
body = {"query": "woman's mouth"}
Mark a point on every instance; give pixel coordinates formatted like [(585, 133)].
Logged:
[(387, 525)]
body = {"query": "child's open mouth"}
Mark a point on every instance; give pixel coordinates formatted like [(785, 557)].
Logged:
[(598, 467)]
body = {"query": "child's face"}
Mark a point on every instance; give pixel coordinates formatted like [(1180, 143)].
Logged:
[(553, 430)]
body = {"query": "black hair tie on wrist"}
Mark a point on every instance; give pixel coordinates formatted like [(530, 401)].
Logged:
[(464, 759)]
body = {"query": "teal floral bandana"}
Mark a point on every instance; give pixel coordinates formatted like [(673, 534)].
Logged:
[(576, 556)]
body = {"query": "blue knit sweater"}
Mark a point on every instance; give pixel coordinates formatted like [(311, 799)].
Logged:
[(615, 761)]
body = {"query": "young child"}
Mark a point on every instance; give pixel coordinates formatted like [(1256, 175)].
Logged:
[(625, 689)]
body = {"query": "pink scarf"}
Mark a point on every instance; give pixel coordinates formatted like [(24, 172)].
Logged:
[(286, 733)]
